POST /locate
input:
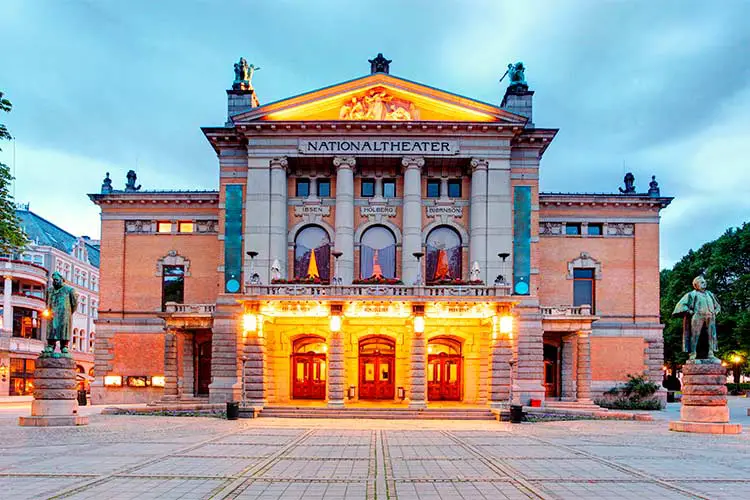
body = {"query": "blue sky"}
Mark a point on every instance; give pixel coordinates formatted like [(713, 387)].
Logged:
[(650, 87)]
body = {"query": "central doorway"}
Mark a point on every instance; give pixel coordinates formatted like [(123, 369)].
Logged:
[(444, 367), (377, 364), (309, 368), (202, 359)]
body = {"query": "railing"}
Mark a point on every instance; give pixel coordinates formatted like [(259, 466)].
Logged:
[(21, 269), (297, 290), (566, 311), (203, 309)]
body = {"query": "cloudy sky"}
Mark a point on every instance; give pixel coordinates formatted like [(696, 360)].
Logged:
[(650, 87)]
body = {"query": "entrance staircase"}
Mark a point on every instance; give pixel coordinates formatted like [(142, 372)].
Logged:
[(372, 413)]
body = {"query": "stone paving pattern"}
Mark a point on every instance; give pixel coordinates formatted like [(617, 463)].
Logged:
[(137, 457)]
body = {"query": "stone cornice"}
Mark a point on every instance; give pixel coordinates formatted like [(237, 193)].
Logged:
[(156, 198), (603, 200)]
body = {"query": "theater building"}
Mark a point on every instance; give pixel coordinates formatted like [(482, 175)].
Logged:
[(377, 240)]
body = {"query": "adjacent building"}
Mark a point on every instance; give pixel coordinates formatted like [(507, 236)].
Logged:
[(376, 240), (25, 279)]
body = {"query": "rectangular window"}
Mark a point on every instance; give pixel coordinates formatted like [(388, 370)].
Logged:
[(303, 188), (583, 287), (233, 230), (21, 376), (163, 227), (368, 188), (595, 229), (433, 188), (454, 188), (324, 188), (389, 188), (185, 227), (572, 229), (173, 285)]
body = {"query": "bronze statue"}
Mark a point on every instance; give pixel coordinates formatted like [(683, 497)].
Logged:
[(243, 75), (629, 184), (698, 308), (130, 186), (107, 185), (62, 301), (517, 75)]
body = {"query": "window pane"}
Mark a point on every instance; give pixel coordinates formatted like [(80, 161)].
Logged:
[(173, 284), (454, 188), (583, 292), (389, 189), (572, 229), (164, 227), (443, 259), (303, 187), (595, 229), (324, 187), (368, 187), (433, 188), (583, 273), (185, 227)]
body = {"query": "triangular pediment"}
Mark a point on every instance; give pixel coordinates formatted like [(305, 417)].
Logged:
[(379, 97)]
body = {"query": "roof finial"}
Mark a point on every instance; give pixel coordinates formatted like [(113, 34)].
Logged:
[(107, 185), (380, 64)]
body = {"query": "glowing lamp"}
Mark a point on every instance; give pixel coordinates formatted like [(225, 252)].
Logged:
[(158, 381), (736, 358), (419, 324), (113, 381), (335, 323), (46, 313), (724, 364), (249, 322), (506, 325)]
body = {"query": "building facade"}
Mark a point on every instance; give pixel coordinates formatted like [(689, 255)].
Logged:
[(376, 240), (25, 279)]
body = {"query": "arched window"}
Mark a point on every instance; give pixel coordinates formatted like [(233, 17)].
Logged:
[(444, 345), (81, 341), (74, 339), (378, 246), (91, 342), (309, 345), (443, 254), (377, 345), (312, 240)]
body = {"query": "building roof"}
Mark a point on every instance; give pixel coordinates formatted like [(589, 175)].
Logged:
[(43, 232)]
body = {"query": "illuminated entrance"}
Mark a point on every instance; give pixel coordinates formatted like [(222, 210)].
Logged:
[(377, 363), (444, 366), (309, 368)]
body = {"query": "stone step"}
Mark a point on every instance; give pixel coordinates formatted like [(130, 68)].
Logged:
[(375, 413)]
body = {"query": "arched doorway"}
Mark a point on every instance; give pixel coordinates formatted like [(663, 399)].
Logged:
[(377, 367), (309, 368), (444, 369)]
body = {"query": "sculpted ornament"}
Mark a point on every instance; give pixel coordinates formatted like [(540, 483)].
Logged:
[(378, 105)]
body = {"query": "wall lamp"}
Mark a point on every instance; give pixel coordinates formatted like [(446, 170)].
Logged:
[(418, 313), (336, 311)]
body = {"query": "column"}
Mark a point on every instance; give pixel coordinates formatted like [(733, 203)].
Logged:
[(336, 370), (418, 392), (529, 369), (171, 392), (478, 218), (412, 217), (501, 352), (7, 330), (279, 217), (226, 382), (345, 216), (568, 368), (584, 366), (254, 366)]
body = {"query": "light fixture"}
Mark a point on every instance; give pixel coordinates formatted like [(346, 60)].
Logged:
[(336, 310), (506, 325), (46, 313), (419, 324), (113, 381), (736, 359), (249, 322), (158, 381)]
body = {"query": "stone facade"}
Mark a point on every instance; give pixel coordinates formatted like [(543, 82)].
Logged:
[(429, 201)]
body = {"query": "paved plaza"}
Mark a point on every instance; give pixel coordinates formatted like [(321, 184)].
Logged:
[(137, 457)]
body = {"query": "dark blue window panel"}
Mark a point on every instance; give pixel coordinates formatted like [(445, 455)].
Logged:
[(233, 239), (521, 240)]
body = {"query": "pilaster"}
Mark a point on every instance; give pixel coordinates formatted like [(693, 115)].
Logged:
[(529, 369), (478, 217), (568, 368), (345, 216), (336, 370), (584, 367), (171, 391), (500, 356), (412, 217), (225, 367), (278, 228), (418, 392)]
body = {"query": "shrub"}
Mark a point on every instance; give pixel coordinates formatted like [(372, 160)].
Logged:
[(743, 387), (635, 394)]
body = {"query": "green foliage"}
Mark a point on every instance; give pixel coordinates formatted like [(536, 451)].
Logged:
[(635, 394), (743, 387), (725, 263), (12, 236)]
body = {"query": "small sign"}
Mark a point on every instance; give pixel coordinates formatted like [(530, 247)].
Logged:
[(451, 211), (371, 147), (303, 210), (369, 211)]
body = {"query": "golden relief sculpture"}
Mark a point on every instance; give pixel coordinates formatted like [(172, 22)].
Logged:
[(378, 105)]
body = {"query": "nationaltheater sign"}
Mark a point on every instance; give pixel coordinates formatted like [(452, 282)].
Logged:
[(378, 147)]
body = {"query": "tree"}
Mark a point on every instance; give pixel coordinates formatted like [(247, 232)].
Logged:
[(725, 263), (12, 237)]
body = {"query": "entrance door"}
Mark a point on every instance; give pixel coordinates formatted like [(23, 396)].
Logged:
[(203, 367), (377, 364), (444, 368), (550, 371), (309, 368)]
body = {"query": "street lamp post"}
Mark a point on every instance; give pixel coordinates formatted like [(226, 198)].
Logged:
[(254, 278), (418, 256), (336, 278)]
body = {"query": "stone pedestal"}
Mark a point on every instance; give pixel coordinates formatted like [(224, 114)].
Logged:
[(55, 402), (704, 400)]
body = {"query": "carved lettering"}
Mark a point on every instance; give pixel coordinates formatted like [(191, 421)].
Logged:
[(378, 147)]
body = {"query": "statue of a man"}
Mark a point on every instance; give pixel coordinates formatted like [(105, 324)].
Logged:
[(517, 74), (629, 182), (62, 301), (698, 308), (130, 186)]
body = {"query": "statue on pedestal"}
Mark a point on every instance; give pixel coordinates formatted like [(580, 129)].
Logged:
[(130, 186), (107, 185), (629, 181), (243, 75), (516, 74), (62, 301), (699, 308)]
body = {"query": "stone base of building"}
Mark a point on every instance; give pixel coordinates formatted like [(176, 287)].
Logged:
[(705, 427), (53, 421)]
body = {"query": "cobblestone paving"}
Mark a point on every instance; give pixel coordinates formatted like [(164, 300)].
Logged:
[(121, 457)]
